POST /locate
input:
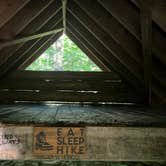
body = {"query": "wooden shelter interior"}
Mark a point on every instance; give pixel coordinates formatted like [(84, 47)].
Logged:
[(125, 38)]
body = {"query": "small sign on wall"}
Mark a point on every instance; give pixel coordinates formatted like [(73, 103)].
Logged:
[(60, 142)]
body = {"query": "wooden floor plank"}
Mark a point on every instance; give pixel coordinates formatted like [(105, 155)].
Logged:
[(82, 115)]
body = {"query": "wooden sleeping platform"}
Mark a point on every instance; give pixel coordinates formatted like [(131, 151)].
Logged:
[(82, 132)]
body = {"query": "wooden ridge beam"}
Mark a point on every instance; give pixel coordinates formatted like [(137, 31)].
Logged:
[(88, 50), (9, 8), (106, 40), (28, 38), (113, 28), (146, 33)]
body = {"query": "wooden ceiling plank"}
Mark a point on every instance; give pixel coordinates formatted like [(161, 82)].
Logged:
[(158, 39), (87, 49), (33, 50), (37, 53), (158, 11), (116, 65), (23, 18), (9, 8), (124, 12), (109, 43), (108, 23), (33, 27), (21, 55)]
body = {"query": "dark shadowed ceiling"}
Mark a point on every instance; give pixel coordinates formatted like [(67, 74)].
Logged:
[(127, 37)]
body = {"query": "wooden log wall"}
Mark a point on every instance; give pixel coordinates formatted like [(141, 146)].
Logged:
[(67, 86)]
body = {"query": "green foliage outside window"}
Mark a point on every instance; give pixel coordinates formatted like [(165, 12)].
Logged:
[(63, 55)]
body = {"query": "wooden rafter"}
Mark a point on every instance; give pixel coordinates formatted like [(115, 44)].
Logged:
[(88, 50), (40, 50), (52, 11), (115, 65), (23, 18), (113, 28), (106, 40), (22, 55)]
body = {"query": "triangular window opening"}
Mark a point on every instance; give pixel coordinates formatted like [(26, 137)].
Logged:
[(63, 55)]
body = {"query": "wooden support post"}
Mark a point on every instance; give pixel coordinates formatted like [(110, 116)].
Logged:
[(28, 38), (146, 29), (64, 4)]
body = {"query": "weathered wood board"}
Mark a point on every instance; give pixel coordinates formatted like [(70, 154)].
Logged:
[(84, 143)]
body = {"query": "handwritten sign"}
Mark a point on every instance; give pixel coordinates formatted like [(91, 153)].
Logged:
[(15, 142), (60, 142)]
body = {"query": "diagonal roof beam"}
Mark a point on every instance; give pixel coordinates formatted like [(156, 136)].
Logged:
[(23, 18), (115, 65), (114, 29), (87, 50), (48, 16), (129, 16), (23, 54), (39, 51), (107, 41), (28, 38)]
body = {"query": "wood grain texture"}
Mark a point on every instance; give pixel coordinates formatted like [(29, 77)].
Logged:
[(82, 115), (102, 143)]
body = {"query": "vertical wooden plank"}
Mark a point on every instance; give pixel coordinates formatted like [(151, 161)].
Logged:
[(146, 33), (64, 6)]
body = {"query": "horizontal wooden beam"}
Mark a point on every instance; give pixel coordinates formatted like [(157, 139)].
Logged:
[(28, 38), (56, 75), (69, 96), (89, 143)]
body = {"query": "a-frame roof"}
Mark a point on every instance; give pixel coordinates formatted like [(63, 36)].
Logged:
[(124, 36)]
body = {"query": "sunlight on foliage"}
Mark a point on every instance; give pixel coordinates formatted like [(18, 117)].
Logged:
[(63, 55)]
